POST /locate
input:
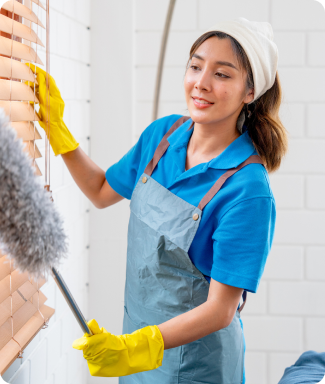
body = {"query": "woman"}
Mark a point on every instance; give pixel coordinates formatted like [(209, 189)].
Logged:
[(202, 214)]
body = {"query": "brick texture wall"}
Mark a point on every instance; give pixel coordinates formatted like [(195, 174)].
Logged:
[(50, 359)]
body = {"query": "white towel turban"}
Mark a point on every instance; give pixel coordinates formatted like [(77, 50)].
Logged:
[(256, 38)]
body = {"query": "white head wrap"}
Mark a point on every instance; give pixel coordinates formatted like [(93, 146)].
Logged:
[(256, 38)]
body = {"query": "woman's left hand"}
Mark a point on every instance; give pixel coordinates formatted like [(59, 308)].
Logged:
[(113, 356)]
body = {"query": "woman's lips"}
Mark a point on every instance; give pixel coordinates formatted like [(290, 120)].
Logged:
[(201, 103)]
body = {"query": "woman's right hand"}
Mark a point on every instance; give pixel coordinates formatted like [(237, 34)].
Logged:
[(61, 139)]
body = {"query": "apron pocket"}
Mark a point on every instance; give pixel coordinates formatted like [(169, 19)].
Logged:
[(129, 325)]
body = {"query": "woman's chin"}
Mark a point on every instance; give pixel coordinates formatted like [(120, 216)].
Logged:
[(201, 116)]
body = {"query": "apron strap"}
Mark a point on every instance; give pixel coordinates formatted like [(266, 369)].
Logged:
[(254, 159), (244, 302), (163, 145)]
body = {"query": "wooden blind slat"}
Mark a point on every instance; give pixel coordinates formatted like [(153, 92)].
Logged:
[(9, 47), (26, 292), (39, 3), (17, 280), (22, 10), (13, 69), (20, 318), (23, 312), (37, 171), (19, 111), (6, 328), (25, 130), (9, 353), (5, 307), (16, 91), (4, 267), (32, 150), (10, 26)]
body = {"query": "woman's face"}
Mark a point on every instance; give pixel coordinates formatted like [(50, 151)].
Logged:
[(215, 90)]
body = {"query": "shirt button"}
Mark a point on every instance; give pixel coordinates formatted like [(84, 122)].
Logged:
[(144, 179), (195, 216)]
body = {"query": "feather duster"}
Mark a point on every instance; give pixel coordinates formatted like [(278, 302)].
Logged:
[(31, 229)]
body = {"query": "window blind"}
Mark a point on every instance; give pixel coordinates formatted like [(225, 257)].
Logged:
[(22, 312), (22, 305)]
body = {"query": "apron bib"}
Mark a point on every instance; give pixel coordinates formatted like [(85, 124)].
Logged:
[(162, 282)]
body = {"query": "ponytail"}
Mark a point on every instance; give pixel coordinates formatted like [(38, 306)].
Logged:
[(265, 129)]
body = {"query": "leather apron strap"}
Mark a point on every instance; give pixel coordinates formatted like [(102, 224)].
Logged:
[(244, 301), (254, 159), (163, 145), (162, 148)]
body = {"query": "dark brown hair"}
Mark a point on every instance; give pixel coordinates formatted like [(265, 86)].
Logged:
[(264, 126)]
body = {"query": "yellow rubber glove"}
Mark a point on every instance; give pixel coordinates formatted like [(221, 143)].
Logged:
[(113, 356), (61, 139)]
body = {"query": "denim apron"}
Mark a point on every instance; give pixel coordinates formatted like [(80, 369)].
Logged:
[(162, 282)]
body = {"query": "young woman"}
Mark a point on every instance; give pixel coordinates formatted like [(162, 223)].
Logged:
[(202, 214)]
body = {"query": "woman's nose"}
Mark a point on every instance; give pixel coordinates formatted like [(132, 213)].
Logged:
[(203, 82)]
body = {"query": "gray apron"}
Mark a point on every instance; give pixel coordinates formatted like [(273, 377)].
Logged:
[(162, 282)]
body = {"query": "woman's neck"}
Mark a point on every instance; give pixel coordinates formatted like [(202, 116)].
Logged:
[(207, 142)]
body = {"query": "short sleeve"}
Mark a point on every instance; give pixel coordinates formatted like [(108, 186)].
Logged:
[(242, 242), (123, 175)]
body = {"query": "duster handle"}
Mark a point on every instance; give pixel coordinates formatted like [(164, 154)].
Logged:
[(70, 300)]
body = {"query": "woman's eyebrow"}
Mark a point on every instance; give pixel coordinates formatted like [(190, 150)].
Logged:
[(217, 62)]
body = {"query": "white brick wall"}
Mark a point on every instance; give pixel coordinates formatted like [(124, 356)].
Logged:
[(314, 124), (50, 359), (111, 137)]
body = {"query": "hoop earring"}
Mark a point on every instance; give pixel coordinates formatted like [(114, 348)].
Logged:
[(240, 121), (249, 112)]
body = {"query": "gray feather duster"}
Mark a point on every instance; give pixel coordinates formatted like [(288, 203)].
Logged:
[(31, 229)]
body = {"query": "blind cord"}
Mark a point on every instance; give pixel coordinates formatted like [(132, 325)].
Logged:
[(20, 354)]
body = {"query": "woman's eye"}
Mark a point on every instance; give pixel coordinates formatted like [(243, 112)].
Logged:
[(194, 67), (224, 76)]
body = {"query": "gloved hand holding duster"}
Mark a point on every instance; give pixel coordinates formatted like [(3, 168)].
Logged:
[(113, 356), (61, 139)]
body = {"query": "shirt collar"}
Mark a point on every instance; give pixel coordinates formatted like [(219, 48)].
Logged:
[(237, 152)]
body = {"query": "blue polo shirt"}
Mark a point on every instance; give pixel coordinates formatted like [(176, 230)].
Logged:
[(236, 231)]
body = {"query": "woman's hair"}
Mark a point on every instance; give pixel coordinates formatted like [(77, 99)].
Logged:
[(264, 126)]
